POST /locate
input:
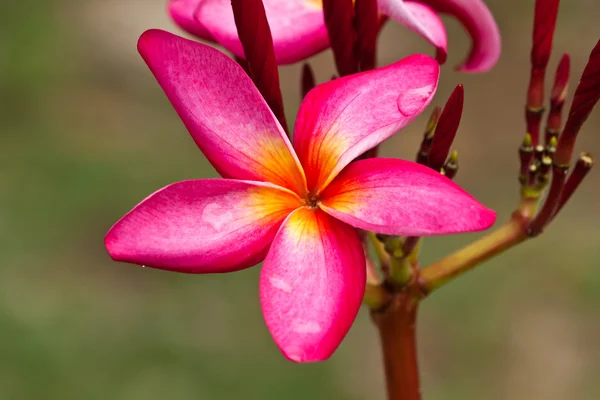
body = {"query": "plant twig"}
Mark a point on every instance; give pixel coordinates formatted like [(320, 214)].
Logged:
[(505, 237)]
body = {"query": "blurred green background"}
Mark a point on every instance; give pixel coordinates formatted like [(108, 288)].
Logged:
[(85, 133)]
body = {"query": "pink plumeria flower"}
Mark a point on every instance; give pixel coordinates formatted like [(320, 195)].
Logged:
[(298, 26), (295, 207)]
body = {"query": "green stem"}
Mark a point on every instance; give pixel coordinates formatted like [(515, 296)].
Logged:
[(505, 237)]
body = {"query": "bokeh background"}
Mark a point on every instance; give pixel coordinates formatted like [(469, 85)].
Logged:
[(85, 133)]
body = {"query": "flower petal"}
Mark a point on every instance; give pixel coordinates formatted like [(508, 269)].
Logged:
[(477, 19), (419, 18), (182, 12), (297, 27), (312, 284), (341, 119), (398, 197), (222, 109), (202, 226)]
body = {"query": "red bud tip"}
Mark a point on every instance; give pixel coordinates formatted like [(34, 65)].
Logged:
[(582, 167), (446, 129), (586, 96), (339, 20), (561, 79), (558, 97), (255, 35), (544, 24)]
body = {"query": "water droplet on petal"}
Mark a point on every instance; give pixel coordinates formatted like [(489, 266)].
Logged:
[(412, 100), (294, 353)]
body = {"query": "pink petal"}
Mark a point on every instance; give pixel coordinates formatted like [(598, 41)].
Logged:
[(477, 19), (419, 18), (312, 284), (297, 27), (202, 226), (222, 109), (398, 197), (182, 12), (341, 119)]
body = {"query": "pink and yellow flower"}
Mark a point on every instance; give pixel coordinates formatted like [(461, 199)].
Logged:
[(294, 206), (298, 26)]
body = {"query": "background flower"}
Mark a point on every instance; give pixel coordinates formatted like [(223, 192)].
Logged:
[(298, 27)]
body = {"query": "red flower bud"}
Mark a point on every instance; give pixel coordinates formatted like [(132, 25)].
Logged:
[(255, 35)]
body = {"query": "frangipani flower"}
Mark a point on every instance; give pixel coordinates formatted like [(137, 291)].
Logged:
[(295, 207), (299, 31)]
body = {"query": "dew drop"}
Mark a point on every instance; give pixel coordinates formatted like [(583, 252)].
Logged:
[(412, 100)]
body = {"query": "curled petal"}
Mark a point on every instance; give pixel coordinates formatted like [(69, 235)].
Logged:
[(341, 119), (182, 12), (312, 284), (477, 19), (297, 27), (222, 109), (419, 18), (398, 197), (202, 226)]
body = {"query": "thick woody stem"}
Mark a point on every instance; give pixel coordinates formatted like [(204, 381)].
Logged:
[(397, 331)]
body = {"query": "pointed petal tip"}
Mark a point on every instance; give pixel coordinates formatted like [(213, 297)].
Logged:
[(147, 38), (111, 246), (487, 218)]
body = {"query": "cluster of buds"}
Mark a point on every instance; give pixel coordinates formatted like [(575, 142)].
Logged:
[(544, 162), (547, 163), (400, 258), (352, 27)]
